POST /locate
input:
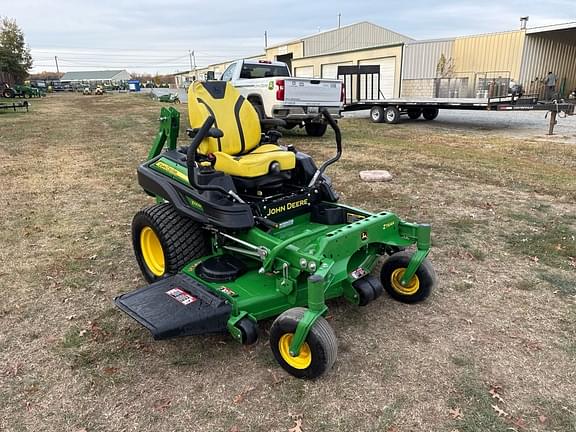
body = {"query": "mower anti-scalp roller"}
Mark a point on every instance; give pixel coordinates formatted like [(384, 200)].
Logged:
[(245, 230)]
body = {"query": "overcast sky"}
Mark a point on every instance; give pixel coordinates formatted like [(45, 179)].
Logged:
[(155, 36)]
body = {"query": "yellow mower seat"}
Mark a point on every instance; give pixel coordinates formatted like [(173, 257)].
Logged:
[(238, 152)]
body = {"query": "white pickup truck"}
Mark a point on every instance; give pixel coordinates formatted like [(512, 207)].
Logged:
[(275, 94)]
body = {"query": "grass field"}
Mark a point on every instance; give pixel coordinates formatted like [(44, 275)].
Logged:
[(493, 349)]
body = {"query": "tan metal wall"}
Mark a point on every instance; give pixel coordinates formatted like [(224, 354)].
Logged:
[(544, 53), (355, 57), (490, 52), (421, 58), (296, 48)]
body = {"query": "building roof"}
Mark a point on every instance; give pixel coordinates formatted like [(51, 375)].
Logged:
[(553, 27), (339, 29), (92, 75)]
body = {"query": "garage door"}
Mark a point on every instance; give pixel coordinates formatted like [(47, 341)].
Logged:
[(330, 70), (387, 78), (304, 71)]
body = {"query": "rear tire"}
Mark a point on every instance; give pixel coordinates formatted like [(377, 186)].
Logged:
[(8, 93), (377, 114), (164, 241), (315, 129), (430, 113), (392, 115)]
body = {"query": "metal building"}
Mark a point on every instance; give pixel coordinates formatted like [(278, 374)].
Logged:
[(476, 66), (100, 76), (362, 43)]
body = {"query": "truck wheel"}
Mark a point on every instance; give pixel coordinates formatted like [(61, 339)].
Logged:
[(417, 289), (377, 114), (318, 353), (392, 115), (165, 241), (430, 113), (414, 113), (315, 129)]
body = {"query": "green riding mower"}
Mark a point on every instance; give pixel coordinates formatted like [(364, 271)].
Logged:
[(245, 229)]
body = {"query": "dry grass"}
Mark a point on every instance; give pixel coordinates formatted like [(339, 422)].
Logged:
[(503, 214)]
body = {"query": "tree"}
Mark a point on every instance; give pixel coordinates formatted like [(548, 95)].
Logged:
[(15, 58), (445, 67)]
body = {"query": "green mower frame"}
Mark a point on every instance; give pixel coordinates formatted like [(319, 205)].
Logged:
[(301, 251)]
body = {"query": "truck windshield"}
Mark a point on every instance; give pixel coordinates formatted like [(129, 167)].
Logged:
[(262, 70)]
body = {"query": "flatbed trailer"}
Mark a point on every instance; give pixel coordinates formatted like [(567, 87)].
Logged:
[(365, 80), (14, 105)]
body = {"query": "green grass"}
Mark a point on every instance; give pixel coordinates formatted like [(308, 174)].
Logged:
[(559, 282), (473, 398), (552, 242)]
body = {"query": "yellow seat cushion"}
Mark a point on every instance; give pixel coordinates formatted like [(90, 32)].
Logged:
[(256, 163)]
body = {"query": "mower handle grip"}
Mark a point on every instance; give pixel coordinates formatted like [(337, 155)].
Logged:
[(335, 158)]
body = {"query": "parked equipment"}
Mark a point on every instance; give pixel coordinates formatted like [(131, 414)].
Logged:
[(245, 229), (167, 98), (24, 91)]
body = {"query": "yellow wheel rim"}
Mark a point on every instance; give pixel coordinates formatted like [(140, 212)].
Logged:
[(152, 251), (302, 360), (410, 288)]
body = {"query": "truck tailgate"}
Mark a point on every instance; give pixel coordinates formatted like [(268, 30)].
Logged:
[(312, 92)]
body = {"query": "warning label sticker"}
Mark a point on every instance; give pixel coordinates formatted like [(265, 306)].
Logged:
[(358, 273), (181, 296)]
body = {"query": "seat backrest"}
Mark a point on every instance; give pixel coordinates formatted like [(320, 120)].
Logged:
[(235, 117)]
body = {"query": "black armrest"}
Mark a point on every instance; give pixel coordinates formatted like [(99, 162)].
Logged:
[(212, 132)]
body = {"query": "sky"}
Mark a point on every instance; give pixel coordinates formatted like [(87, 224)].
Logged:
[(157, 36)]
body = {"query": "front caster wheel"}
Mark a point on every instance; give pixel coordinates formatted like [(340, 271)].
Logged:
[(417, 289), (318, 353)]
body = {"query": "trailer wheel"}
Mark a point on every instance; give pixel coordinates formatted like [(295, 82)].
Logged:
[(414, 113), (430, 113), (315, 129), (392, 115), (318, 353), (417, 289), (377, 114), (164, 241)]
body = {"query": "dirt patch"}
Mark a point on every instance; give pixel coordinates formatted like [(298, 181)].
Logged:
[(502, 212)]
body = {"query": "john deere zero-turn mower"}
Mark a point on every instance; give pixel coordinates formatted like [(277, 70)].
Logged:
[(246, 229)]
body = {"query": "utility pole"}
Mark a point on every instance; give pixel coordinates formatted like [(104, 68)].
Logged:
[(194, 60), (339, 16), (265, 39), (56, 60)]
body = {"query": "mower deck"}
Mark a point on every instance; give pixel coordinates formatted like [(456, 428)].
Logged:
[(176, 306)]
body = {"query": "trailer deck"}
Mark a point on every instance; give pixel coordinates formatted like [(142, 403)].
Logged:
[(364, 81), (14, 105)]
